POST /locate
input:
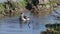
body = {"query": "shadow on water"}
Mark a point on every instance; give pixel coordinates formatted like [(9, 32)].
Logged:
[(22, 23)]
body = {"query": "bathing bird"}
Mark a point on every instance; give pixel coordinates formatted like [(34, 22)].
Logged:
[(23, 17)]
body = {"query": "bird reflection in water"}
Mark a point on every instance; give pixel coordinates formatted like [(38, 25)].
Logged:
[(23, 23)]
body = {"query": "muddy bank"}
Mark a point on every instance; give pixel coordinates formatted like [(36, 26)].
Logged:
[(41, 9)]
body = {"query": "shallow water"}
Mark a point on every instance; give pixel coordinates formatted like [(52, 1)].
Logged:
[(12, 25)]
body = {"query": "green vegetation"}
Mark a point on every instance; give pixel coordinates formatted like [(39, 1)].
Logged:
[(1, 8), (9, 8), (22, 3), (52, 28), (13, 7)]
